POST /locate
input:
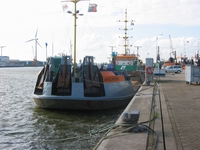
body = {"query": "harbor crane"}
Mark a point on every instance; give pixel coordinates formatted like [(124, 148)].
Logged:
[(171, 46), (172, 51)]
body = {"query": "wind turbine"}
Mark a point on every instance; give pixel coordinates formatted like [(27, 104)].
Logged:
[(36, 43)]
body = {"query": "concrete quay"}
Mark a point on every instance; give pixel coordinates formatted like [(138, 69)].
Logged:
[(176, 108)]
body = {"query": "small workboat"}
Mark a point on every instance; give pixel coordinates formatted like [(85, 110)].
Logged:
[(62, 84), (91, 88)]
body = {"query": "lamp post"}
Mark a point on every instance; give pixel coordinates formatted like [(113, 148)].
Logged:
[(157, 45), (46, 44), (185, 47), (198, 50), (1, 49), (137, 55), (137, 50), (112, 48)]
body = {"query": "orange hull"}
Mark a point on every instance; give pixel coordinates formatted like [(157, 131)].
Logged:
[(109, 76)]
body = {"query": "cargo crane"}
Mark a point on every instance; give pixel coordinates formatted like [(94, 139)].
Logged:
[(183, 61), (171, 59), (172, 50)]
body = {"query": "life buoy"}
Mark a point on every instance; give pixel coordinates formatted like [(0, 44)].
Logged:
[(149, 70)]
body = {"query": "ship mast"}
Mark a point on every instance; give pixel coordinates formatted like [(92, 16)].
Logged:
[(125, 33), (75, 17), (125, 37), (75, 12)]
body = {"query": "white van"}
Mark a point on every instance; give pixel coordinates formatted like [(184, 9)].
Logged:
[(173, 69)]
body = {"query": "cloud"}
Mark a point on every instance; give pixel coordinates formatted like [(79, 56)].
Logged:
[(97, 31), (167, 12)]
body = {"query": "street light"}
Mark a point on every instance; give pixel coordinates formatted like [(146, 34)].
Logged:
[(46, 44), (2, 48), (185, 47), (138, 55), (138, 50)]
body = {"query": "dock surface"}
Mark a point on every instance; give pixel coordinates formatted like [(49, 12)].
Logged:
[(175, 107)]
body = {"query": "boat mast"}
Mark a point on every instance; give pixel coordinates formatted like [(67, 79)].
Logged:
[(125, 33), (75, 17), (75, 1), (125, 37)]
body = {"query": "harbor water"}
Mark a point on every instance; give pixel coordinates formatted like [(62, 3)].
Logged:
[(25, 126)]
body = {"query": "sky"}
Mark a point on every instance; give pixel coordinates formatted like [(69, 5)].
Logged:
[(99, 32)]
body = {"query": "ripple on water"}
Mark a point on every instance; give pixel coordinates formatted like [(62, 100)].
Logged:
[(24, 126)]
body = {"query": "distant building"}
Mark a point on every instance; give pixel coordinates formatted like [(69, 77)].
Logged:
[(4, 59)]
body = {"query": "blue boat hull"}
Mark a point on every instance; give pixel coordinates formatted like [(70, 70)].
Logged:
[(117, 95), (93, 89), (81, 104)]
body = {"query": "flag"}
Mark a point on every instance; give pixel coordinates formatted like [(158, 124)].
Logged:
[(132, 23), (65, 7), (92, 7)]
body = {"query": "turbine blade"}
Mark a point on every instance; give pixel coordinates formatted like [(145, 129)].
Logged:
[(30, 40), (39, 44), (36, 33)]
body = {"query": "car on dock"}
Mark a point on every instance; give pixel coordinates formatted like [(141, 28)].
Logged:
[(173, 69)]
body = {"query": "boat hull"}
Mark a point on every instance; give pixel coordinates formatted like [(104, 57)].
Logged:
[(117, 95), (93, 89), (126, 67), (84, 104)]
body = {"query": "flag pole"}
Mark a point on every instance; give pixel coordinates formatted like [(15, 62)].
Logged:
[(75, 17), (75, 1)]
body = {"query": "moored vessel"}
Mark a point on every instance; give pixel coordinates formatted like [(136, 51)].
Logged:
[(62, 84)]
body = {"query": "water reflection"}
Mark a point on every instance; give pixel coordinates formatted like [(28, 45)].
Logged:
[(70, 129)]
